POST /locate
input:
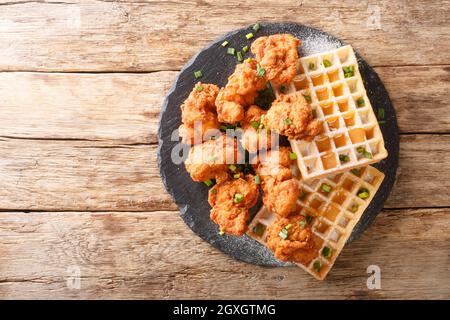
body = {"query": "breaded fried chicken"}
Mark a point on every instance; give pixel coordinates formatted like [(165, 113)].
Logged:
[(281, 190), (210, 159), (291, 240), (198, 113), (278, 55), (255, 136), (230, 201), (240, 91), (290, 115)]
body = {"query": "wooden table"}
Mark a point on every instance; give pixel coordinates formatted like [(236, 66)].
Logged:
[(81, 86)]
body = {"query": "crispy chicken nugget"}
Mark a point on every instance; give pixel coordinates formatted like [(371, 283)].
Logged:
[(278, 55), (255, 136)]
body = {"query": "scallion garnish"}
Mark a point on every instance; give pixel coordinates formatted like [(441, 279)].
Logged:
[(208, 182), (284, 233), (302, 195), (326, 252), (232, 167), (349, 71), (325, 187), (287, 121), (367, 154), (231, 51), (221, 232), (382, 122), (259, 229), (239, 56), (260, 72), (249, 35), (309, 219), (307, 98), (292, 155), (302, 223), (283, 88), (245, 49), (198, 87), (238, 197), (317, 265), (360, 149), (380, 113), (213, 191), (356, 172), (312, 66), (363, 193), (257, 180), (225, 43), (344, 158), (198, 74), (326, 63), (256, 27), (255, 124), (360, 102), (354, 208), (236, 175)]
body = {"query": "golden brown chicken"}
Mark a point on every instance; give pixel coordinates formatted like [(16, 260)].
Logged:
[(198, 114), (255, 136), (210, 159), (230, 201), (290, 115), (281, 190), (240, 91), (292, 240), (278, 55)]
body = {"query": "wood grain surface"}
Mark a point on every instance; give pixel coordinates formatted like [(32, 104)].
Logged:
[(81, 86)]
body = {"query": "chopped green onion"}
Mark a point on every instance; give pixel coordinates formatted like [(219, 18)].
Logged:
[(198, 87), (302, 223), (257, 180), (221, 232), (236, 175), (363, 193), (367, 154), (354, 208), (260, 72), (302, 195), (288, 226), (238, 197), (344, 158), (317, 265), (349, 71), (283, 234), (287, 121), (380, 113), (312, 66), (231, 51), (307, 98), (292, 155), (198, 74), (259, 229), (256, 27), (283, 89), (245, 49), (360, 149), (208, 182), (356, 172), (309, 219), (382, 122), (239, 56), (255, 124), (326, 63), (214, 158), (360, 102), (326, 252), (325, 187), (225, 43), (249, 35), (213, 191), (232, 167)]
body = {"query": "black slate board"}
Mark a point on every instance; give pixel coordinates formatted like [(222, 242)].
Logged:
[(216, 66)]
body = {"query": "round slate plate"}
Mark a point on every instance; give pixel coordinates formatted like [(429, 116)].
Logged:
[(216, 65)]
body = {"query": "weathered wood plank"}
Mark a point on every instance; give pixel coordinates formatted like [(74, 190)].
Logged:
[(124, 108), (154, 255), (89, 176), (161, 35)]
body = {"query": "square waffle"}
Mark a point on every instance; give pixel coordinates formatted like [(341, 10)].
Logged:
[(351, 136), (333, 206)]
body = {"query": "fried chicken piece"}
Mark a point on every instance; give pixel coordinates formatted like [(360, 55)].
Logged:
[(290, 115), (278, 55), (210, 159), (240, 91), (299, 244), (198, 114), (231, 201), (255, 136), (281, 190)]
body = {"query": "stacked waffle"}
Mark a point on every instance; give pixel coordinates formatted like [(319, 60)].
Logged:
[(333, 169)]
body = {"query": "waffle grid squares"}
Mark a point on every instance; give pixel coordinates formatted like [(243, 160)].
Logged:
[(334, 213), (341, 103)]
